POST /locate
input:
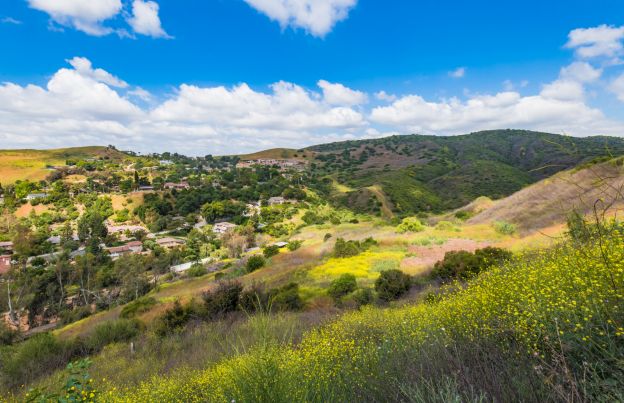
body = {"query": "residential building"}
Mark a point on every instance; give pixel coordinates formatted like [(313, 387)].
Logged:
[(33, 196), (276, 200), (131, 247), (6, 245), (178, 186), (223, 227), (169, 243)]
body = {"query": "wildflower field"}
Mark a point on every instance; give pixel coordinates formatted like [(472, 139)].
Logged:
[(548, 326)]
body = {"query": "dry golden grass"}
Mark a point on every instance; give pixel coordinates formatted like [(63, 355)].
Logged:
[(129, 201), (548, 202), (26, 209)]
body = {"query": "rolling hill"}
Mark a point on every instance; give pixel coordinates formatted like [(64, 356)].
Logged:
[(33, 164), (550, 201), (436, 173)]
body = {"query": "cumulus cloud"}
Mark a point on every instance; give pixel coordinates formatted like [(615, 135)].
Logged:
[(145, 19), (603, 40), (82, 104), (559, 106), (317, 17), (84, 67), (90, 16), (85, 16), (338, 94), (384, 96)]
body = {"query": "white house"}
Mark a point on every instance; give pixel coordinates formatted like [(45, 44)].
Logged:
[(33, 196)]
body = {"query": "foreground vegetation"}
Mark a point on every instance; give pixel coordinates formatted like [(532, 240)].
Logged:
[(544, 327)]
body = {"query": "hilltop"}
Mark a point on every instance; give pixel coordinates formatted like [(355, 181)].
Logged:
[(33, 165)]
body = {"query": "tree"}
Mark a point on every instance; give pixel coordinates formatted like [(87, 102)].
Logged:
[(392, 284), (92, 231)]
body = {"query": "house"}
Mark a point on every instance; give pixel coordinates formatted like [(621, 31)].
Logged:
[(33, 196), (280, 244), (169, 243), (146, 188), (131, 247), (165, 162), (115, 229), (177, 186), (180, 268), (223, 227), (5, 263), (6, 245), (276, 200)]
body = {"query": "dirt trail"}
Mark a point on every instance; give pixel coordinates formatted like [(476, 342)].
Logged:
[(427, 256)]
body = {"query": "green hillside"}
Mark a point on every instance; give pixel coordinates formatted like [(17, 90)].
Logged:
[(435, 173)]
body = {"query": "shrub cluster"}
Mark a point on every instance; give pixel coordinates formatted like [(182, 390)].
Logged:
[(410, 224), (392, 284), (464, 265), (344, 248)]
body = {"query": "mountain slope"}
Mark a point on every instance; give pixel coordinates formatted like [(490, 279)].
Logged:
[(549, 201), (436, 173)]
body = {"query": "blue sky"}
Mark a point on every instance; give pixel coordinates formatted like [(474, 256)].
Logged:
[(224, 76)]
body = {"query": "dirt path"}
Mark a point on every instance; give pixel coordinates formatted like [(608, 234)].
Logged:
[(426, 256)]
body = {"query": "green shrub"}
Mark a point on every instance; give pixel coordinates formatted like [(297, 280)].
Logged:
[(223, 299), (464, 265), (75, 314), (113, 332), (137, 306), (286, 298), (173, 320), (270, 251), (410, 224), (343, 285), (253, 299), (344, 248), (505, 228), (363, 296), (327, 237), (196, 270), (254, 263), (294, 245), (7, 335), (463, 215), (392, 284)]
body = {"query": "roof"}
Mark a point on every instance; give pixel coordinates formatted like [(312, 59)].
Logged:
[(169, 240)]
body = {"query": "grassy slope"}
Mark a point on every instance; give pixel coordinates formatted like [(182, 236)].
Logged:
[(549, 201), (436, 172), (278, 153), (553, 306), (31, 164)]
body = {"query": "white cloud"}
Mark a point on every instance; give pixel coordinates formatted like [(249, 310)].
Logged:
[(10, 20), (317, 17), (338, 94), (617, 87), (145, 19), (384, 96), (85, 16), (86, 105), (83, 67), (603, 40), (459, 72)]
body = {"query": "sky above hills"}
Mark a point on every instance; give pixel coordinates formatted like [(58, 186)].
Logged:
[(232, 76)]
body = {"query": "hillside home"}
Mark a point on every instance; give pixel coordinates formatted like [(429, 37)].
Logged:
[(5, 263), (276, 200), (169, 243), (116, 229), (223, 227), (34, 196), (177, 186), (6, 245), (129, 248)]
